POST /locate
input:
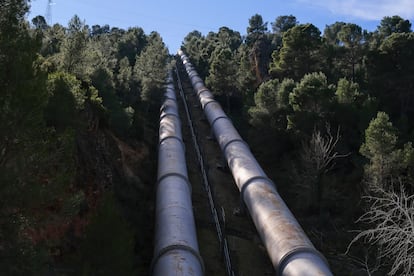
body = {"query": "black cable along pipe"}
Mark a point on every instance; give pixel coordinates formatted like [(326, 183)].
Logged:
[(289, 249), (219, 228)]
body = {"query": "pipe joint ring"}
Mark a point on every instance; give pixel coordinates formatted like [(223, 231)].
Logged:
[(218, 118), (178, 175), (168, 114), (172, 137), (166, 97), (211, 101), (202, 90), (233, 141), (284, 261), (251, 181), (181, 247)]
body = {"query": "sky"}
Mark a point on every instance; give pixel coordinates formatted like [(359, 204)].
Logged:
[(175, 19)]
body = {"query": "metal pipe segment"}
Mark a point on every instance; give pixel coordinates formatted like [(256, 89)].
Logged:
[(289, 249), (176, 249)]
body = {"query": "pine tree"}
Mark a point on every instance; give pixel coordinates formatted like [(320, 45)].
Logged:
[(150, 69), (223, 69)]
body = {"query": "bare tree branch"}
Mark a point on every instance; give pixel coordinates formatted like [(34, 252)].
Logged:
[(317, 158), (391, 215), (320, 151)]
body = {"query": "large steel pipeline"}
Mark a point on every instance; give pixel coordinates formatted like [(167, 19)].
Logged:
[(175, 245), (289, 249)]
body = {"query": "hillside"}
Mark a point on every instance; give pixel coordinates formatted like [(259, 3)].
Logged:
[(326, 113)]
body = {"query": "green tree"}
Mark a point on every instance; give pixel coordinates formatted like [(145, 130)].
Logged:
[(223, 68), (346, 91), (36, 164), (265, 104), (127, 88), (286, 87), (330, 34), (256, 29), (380, 138), (131, 44), (229, 38), (281, 25), (311, 102), (389, 75), (272, 104), (66, 99), (259, 43), (246, 78), (386, 162), (100, 52), (351, 36), (22, 83), (53, 39), (150, 68), (389, 25), (39, 22), (389, 214), (284, 23), (74, 48), (98, 30), (333, 50), (118, 118), (195, 46), (352, 110), (22, 98), (393, 24), (300, 53)]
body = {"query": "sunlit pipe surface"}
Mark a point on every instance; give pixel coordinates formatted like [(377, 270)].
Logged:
[(176, 248), (289, 249)]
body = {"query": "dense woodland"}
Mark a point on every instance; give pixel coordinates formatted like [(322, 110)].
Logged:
[(327, 114), (79, 121)]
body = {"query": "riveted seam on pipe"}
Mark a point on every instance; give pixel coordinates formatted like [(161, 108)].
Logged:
[(165, 106), (173, 137), (211, 100), (218, 118), (233, 141), (181, 247), (170, 98), (251, 180), (201, 91), (284, 261), (178, 175), (199, 81), (169, 114)]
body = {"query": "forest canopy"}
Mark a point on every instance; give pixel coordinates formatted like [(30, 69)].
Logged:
[(334, 105)]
